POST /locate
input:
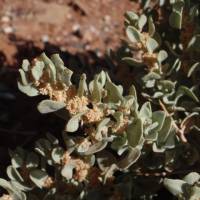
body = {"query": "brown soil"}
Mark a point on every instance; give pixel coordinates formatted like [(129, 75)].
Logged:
[(75, 26)]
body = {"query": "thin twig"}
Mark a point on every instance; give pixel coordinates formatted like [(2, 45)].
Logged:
[(165, 173), (179, 131)]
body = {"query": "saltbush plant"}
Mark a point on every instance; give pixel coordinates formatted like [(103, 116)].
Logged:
[(118, 144)]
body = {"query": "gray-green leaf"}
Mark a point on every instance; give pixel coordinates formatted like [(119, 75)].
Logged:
[(133, 34), (151, 45), (73, 123), (28, 89), (135, 133), (48, 106), (132, 156)]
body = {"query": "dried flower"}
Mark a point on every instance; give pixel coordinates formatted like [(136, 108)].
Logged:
[(60, 94), (81, 170), (55, 93), (48, 183), (66, 158), (93, 115), (77, 105), (121, 127), (84, 145), (81, 167), (71, 92)]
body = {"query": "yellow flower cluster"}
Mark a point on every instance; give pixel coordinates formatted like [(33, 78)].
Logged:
[(77, 104), (149, 59), (81, 170), (66, 158), (122, 127), (81, 167), (93, 115), (48, 183), (60, 94)]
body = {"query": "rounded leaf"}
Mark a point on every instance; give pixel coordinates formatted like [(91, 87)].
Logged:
[(151, 27), (67, 171), (23, 77), (13, 174), (25, 65), (135, 133), (159, 116), (48, 106), (133, 34), (175, 186), (99, 146), (175, 19), (151, 45), (192, 178), (57, 154), (73, 123), (132, 156), (142, 21), (162, 55), (37, 70), (165, 131), (28, 89)]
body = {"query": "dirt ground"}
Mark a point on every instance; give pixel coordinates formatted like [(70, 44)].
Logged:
[(75, 26)]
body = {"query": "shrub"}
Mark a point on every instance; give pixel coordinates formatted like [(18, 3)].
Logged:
[(118, 144)]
